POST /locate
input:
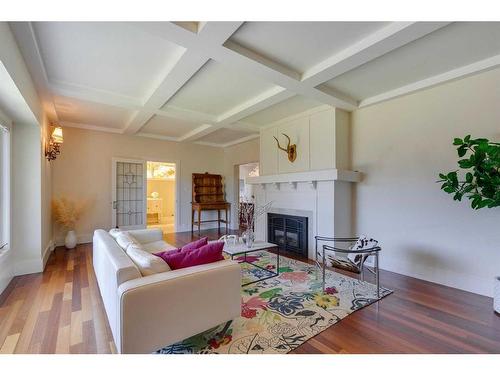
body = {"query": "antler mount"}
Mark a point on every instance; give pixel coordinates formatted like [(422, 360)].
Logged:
[(291, 150)]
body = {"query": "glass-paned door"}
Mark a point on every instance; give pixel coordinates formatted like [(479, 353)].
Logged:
[(129, 198)]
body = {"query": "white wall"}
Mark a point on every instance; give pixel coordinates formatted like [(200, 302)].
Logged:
[(26, 199), (83, 171), (30, 194), (401, 146), (46, 194)]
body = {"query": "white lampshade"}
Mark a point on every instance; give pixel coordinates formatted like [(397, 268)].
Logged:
[(57, 135)]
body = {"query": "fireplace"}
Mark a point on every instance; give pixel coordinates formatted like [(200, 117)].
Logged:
[(288, 232)]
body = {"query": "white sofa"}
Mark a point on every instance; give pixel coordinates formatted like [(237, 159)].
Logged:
[(146, 313)]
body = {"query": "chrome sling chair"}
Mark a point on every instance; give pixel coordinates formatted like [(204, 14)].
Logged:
[(356, 266)]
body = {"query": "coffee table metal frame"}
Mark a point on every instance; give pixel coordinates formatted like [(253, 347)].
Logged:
[(251, 250)]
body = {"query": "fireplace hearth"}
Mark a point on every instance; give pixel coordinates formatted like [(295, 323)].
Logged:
[(288, 232)]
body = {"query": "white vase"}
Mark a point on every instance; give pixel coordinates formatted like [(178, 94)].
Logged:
[(496, 295), (70, 240)]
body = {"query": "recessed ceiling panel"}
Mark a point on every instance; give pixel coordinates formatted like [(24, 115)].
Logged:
[(451, 47), (89, 113), (105, 55), (301, 45), (217, 88), (168, 126), (284, 109), (223, 135)]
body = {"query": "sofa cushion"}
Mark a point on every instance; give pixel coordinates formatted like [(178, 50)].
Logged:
[(147, 263), (156, 246), (125, 239), (209, 253), (114, 232)]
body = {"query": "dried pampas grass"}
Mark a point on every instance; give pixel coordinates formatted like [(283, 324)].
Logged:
[(67, 212)]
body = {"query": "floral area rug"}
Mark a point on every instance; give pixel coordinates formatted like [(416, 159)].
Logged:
[(281, 313)]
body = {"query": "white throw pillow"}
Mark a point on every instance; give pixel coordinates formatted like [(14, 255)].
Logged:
[(147, 263), (362, 243), (114, 232), (125, 239)]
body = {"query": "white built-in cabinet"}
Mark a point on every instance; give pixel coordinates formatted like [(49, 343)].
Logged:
[(321, 136)]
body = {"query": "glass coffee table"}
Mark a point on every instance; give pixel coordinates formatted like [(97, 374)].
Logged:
[(239, 249)]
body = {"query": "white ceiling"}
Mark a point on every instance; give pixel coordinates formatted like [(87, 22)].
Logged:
[(216, 88), (168, 126), (301, 45), (446, 49), (284, 109), (104, 56), (217, 83)]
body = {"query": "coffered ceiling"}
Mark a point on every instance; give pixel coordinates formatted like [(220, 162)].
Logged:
[(217, 83)]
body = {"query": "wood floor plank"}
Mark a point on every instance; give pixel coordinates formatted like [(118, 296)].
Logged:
[(10, 344), (61, 311), (68, 291), (76, 336), (9, 320), (63, 340), (39, 332)]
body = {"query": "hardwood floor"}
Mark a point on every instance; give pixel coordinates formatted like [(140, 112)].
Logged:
[(61, 311)]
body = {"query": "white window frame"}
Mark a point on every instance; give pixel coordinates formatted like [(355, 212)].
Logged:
[(5, 183)]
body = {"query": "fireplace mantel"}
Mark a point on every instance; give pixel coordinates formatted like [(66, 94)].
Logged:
[(310, 177)]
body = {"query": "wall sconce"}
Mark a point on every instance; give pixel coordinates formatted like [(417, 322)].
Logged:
[(52, 148)]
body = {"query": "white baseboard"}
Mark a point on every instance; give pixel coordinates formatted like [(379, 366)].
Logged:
[(5, 271), (4, 281), (46, 253), (469, 283)]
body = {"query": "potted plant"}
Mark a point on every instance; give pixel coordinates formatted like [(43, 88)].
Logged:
[(479, 180), (67, 213)]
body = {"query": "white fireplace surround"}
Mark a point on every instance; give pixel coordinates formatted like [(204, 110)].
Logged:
[(324, 197)]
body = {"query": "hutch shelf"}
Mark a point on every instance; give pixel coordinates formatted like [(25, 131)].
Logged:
[(208, 195)]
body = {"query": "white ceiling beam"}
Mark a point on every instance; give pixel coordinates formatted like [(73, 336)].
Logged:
[(389, 38), (78, 125), (188, 64), (186, 114), (375, 45), (197, 133), (244, 59), (120, 101), (474, 68), (231, 143), (267, 99), (28, 44), (270, 97), (229, 53), (93, 95), (234, 55)]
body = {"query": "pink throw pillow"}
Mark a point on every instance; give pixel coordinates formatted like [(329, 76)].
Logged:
[(190, 246), (209, 253), (195, 244)]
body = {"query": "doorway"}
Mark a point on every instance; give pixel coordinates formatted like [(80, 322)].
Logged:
[(161, 195), (245, 191)]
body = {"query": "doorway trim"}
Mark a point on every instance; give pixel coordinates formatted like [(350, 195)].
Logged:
[(177, 213), (236, 191)]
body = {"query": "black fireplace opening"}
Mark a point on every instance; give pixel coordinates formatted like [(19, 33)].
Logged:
[(288, 232)]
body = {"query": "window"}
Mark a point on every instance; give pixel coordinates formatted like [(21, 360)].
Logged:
[(5, 176)]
